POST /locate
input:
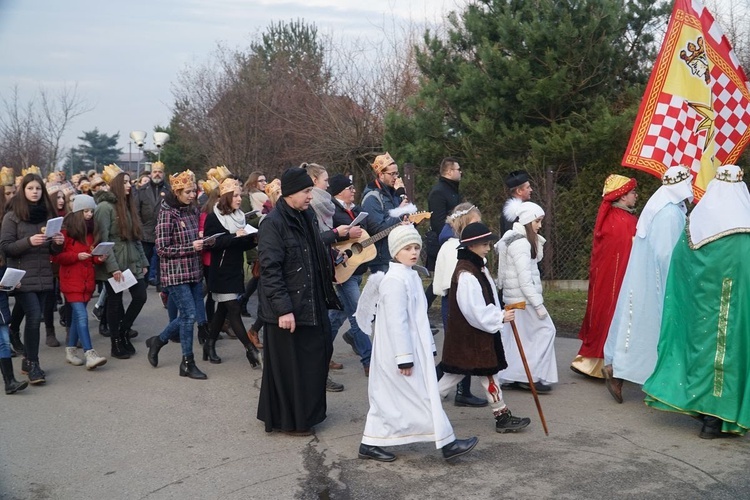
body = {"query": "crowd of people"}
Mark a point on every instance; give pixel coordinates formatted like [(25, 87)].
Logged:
[(662, 303)]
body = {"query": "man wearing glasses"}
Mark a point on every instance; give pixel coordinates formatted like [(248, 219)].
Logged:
[(379, 197)]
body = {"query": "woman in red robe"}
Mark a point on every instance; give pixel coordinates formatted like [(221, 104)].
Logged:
[(610, 251)]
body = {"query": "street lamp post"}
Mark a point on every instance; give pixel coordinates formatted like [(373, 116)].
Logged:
[(139, 137)]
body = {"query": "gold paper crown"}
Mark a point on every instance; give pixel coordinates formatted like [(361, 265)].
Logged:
[(110, 172), (53, 187), (182, 180), (7, 176), (31, 170), (19, 180), (675, 175), (229, 186), (157, 165), (729, 173), (616, 186), (219, 173), (68, 188), (85, 185), (273, 187), (209, 185), (382, 162), (53, 177)]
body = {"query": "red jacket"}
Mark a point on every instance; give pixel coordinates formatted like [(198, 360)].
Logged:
[(77, 276)]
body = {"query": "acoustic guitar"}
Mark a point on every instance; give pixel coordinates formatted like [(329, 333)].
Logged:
[(363, 249)]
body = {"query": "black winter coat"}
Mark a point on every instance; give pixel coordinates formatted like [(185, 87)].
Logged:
[(294, 278), (226, 274), (442, 199)]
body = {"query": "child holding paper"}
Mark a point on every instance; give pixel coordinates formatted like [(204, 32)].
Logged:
[(77, 281)]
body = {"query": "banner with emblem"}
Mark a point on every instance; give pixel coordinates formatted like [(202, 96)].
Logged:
[(696, 108)]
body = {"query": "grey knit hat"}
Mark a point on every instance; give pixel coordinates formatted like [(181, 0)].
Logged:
[(83, 202), (402, 236)]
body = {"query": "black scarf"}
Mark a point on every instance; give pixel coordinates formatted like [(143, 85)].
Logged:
[(89, 225), (466, 254), (37, 213)]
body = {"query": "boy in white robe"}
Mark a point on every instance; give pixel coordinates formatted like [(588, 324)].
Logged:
[(405, 406)]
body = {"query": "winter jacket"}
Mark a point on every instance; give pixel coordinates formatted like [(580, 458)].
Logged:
[(149, 198), (176, 230), (294, 278), (377, 200), (126, 254), (342, 217), (226, 274), (517, 273), (19, 253), (77, 281), (442, 199)]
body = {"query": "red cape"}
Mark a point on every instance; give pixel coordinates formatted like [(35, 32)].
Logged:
[(613, 239)]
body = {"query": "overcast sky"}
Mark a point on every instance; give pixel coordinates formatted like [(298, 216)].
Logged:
[(124, 55)]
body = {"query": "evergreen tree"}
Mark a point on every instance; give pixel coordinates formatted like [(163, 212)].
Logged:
[(97, 149)]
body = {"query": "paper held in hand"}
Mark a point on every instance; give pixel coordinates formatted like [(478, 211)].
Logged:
[(360, 217), (103, 248), (54, 226), (250, 230), (11, 279), (128, 280)]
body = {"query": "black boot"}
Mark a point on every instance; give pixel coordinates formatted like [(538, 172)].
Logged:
[(209, 351), (154, 346), (711, 427), (464, 397), (11, 384), (203, 333), (243, 306), (188, 369), (126, 344), (118, 349), (15, 342)]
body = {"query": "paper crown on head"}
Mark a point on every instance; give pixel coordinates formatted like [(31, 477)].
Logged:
[(616, 186), (53, 177), (31, 170), (729, 173), (229, 185), (273, 187), (157, 165), (7, 176), (110, 172), (53, 187), (182, 180), (68, 188), (84, 185), (675, 175), (209, 185), (19, 180), (219, 173), (96, 180), (382, 162)]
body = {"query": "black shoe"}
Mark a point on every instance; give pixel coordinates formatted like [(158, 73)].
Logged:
[(252, 356), (126, 344), (36, 374), (154, 344), (506, 422), (11, 384), (459, 447), (711, 428), (243, 308), (131, 334), (349, 339), (332, 386), (103, 330), (464, 397), (118, 349), (188, 369), (375, 453), (209, 352)]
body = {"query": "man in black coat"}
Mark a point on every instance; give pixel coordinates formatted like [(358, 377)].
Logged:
[(443, 198), (294, 295), (149, 197)]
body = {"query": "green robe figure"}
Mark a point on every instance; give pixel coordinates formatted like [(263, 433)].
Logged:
[(703, 366)]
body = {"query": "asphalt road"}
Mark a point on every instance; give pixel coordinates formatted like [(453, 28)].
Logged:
[(127, 430)]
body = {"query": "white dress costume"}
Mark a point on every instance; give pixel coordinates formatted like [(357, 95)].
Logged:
[(403, 409), (518, 276)]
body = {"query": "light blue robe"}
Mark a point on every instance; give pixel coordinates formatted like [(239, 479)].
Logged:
[(634, 332)]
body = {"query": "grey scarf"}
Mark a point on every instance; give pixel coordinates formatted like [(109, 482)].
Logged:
[(324, 208)]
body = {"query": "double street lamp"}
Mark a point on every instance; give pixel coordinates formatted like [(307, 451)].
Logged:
[(139, 137)]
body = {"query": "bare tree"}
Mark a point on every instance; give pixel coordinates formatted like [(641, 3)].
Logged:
[(57, 111)]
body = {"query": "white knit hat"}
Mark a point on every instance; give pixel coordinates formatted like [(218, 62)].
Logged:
[(402, 236), (83, 202), (524, 211)]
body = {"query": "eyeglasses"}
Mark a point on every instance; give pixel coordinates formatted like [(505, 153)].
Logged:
[(392, 174), (351, 188)]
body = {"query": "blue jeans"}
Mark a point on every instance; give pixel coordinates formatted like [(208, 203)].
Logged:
[(79, 326), (4, 341), (189, 299), (348, 293), (200, 313), (153, 270)]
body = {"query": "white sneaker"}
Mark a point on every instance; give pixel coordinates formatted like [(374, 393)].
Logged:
[(71, 356), (93, 359)]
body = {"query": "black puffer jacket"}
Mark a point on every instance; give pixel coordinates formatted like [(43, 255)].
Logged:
[(294, 278), (21, 254), (227, 258)]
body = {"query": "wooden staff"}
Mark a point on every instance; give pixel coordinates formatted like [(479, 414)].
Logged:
[(522, 305)]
